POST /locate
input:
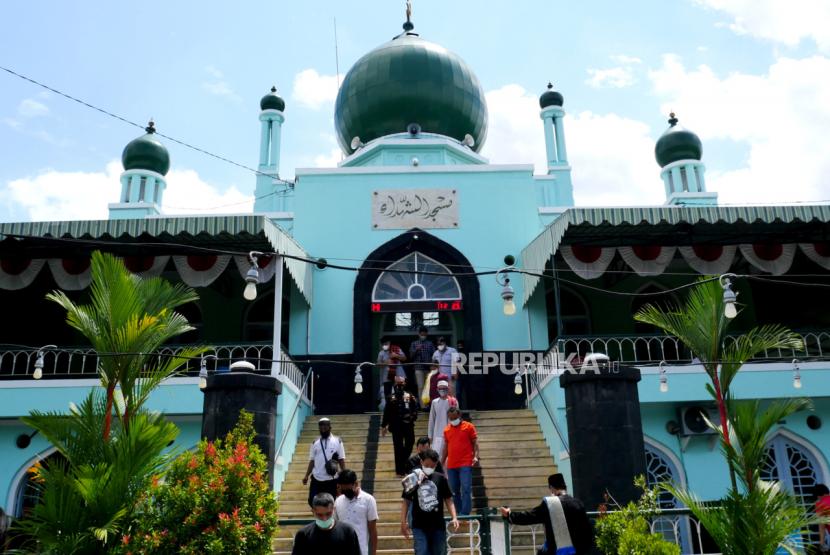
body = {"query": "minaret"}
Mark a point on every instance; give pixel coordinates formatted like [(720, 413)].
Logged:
[(552, 114), (146, 162), (556, 191), (267, 190), (678, 151)]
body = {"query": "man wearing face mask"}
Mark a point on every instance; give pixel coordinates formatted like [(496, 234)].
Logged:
[(420, 353), (399, 417), (460, 455), (427, 495), (445, 357), (358, 508), (389, 361), (438, 415), (326, 456), (325, 534)]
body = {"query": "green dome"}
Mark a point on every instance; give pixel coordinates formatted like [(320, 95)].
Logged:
[(272, 101), (677, 144), (410, 80), (146, 153), (551, 98)]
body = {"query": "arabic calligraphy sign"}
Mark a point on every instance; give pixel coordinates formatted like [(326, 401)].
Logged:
[(406, 208)]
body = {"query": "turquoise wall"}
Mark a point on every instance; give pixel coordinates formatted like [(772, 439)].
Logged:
[(701, 461), (180, 401), (498, 215)]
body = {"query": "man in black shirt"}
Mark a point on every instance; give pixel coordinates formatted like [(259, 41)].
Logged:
[(428, 529), (325, 535), (399, 417), (578, 526)]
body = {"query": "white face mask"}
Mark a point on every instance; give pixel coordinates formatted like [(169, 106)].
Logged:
[(443, 393), (441, 347), (386, 347), (455, 422), (428, 471)]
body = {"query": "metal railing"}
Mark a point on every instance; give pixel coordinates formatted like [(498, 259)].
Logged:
[(641, 349), (677, 526), (473, 536), (80, 362)]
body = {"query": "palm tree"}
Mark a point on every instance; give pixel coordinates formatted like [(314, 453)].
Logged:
[(701, 325), (127, 320), (86, 497), (760, 516)]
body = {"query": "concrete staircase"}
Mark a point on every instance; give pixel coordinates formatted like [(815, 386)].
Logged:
[(515, 463)]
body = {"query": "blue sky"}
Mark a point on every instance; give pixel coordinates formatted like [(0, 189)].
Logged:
[(752, 77)]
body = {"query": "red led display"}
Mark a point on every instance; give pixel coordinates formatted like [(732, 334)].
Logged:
[(417, 306)]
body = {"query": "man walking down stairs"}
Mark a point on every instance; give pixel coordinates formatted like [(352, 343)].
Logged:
[(515, 464)]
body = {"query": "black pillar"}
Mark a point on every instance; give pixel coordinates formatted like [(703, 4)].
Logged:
[(605, 433), (228, 393)]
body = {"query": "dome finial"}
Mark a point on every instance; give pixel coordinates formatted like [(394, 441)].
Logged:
[(151, 127), (550, 85), (408, 25), (672, 119), (273, 88)]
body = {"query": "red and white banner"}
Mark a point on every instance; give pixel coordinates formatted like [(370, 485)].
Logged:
[(818, 253), (773, 258), (201, 270), (588, 262), (17, 273), (709, 259), (267, 267), (648, 260), (71, 274), (146, 266)]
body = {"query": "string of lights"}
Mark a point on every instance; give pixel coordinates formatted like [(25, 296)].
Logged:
[(135, 124)]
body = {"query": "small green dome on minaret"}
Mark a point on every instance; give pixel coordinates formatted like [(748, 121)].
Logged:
[(407, 81), (272, 101), (551, 98), (676, 144), (146, 153)]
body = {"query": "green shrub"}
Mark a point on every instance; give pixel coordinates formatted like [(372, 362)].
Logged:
[(626, 531), (216, 500)]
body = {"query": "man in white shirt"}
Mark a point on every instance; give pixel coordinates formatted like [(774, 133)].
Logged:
[(358, 508), (324, 458), (438, 415)]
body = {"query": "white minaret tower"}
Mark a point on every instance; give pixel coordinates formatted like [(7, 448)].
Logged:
[(268, 199)]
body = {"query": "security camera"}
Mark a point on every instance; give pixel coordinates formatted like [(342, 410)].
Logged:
[(414, 129)]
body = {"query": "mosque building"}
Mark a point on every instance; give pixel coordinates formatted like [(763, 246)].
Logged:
[(415, 227)]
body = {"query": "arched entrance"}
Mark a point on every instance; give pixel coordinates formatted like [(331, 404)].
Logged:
[(393, 303)]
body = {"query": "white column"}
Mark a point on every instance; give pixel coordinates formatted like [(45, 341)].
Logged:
[(561, 153), (276, 367), (550, 141), (265, 134)]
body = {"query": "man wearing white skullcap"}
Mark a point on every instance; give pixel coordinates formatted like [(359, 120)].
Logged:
[(438, 415)]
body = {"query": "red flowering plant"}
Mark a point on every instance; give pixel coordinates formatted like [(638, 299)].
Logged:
[(215, 500)]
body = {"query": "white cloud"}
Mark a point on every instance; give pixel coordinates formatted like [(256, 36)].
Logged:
[(55, 195), (218, 86), (626, 60), (313, 90), (611, 156), (329, 160), (615, 77), (30, 108), (784, 21), (782, 116)]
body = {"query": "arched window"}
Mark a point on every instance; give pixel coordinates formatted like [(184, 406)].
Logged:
[(795, 466), (417, 286), (661, 467), (28, 491)]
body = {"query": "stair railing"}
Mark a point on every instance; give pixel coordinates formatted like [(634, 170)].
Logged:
[(300, 396)]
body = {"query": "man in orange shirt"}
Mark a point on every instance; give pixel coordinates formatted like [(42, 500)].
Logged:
[(459, 455)]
